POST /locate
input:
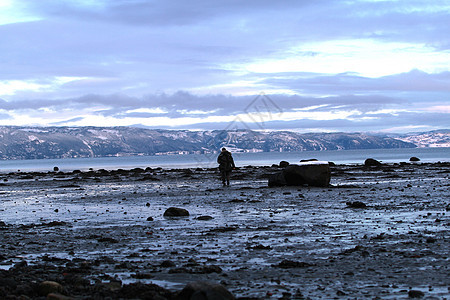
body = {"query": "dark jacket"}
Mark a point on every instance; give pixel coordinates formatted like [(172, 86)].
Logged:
[(225, 161)]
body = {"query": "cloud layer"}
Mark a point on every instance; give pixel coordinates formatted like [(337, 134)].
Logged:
[(327, 65)]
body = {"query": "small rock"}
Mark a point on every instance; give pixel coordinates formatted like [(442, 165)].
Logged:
[(370, 162), (356, 204), (415, 294), (431, 240), (176, 212), (209, 269), (167, 264), (287, 264), (150, 219), (107, 240), (204, 218), (47, 287), (414, 159)]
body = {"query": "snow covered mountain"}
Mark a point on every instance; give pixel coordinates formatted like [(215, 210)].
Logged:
[(437, 138), (65, 142)]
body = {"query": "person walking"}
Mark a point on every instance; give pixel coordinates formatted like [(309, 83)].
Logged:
[(226, 164)]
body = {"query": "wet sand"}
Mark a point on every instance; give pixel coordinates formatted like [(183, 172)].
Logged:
[(375, 232)]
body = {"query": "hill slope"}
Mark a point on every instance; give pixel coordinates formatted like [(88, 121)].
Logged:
[(65, 142)]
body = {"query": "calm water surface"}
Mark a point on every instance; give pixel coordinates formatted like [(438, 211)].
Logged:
[(241, 159)]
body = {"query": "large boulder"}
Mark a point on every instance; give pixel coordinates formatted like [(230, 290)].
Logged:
[(313, 173)]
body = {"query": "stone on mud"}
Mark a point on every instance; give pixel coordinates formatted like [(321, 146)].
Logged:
[(204, 218), (415, 294), (201, 290), (370, 162), (287, 264), (47, 287), (414, 158), (176, 212), (356, 204)]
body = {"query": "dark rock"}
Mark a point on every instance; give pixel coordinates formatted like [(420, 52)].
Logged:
[(356, 204), (55, 169), (107, 240), (370, 162), (431, 240), (150, 219), (167, 264), (201, 290), (414, 159), (204, 218), (176, 212), (224, 229), (310, 174), (287, 264), (48, 287), (307, 160), (209, 269), (415, 294), (283, 164)]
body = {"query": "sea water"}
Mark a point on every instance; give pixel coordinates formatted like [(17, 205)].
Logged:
[(209, 160)]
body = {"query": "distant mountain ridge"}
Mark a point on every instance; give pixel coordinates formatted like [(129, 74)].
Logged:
[(435, 138), (71, 142)]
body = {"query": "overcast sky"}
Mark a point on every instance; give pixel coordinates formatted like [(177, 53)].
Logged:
[(304, 65)]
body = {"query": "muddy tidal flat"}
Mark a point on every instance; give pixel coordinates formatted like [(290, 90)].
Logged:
[(374, 233)]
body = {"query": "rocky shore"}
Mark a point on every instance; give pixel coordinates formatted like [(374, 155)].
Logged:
[(376, 232)]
